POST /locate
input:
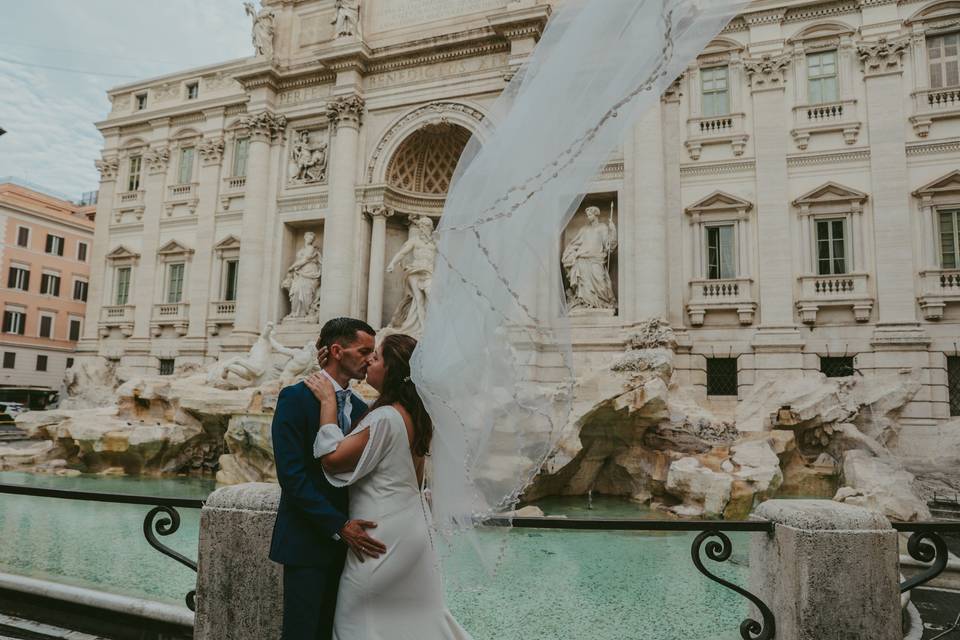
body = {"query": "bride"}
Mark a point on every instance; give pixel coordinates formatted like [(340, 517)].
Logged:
[(398, 596)]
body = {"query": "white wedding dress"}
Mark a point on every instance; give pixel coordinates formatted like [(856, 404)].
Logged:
[(398, 596)]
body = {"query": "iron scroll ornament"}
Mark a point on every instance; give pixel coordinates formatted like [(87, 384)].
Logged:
[(926, 546), (168, 524), (719, 551)]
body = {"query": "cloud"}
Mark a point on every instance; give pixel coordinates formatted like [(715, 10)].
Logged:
[(49, 113)]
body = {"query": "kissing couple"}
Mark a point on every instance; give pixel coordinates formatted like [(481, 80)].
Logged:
[(347, 473)]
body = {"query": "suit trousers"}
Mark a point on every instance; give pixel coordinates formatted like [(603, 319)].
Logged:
[(309, 602)]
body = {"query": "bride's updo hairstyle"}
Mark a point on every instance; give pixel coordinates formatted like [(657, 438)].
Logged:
[(398, 388)]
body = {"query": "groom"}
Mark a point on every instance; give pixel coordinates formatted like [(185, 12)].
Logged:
[(312, 532)]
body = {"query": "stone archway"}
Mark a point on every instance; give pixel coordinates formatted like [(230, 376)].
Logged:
[(417, 177)]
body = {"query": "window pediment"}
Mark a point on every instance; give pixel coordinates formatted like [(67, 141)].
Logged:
[(174, 249), (948, 185), (830, 195), (719, 201), (822, 33), (122, 254), (939, 15), (231, 242)]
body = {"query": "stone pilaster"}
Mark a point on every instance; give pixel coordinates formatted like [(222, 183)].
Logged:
[(340, 226), (647, 298), (673, 131), (109, 167), (203, 281), (883, 68), (264, 129), (143, 291), (378, 251)]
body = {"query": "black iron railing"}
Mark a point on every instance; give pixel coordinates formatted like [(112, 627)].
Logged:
[(166, 524), (925, 543)]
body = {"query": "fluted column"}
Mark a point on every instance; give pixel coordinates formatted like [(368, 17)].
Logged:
[(340, 225), (264, 128), (108, 167), (143, 291), (202, 290), (378, 256)]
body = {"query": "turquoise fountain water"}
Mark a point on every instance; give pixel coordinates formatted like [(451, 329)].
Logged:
[(550, 584)]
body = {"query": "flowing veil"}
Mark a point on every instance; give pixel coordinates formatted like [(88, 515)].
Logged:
[(494, 366)]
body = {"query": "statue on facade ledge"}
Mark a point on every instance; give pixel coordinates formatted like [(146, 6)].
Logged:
[(263, 29), (586, 261), (418, 275), (302, 281), (346, 18)]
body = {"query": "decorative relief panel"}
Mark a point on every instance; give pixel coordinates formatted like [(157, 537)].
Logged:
[(308, 157)]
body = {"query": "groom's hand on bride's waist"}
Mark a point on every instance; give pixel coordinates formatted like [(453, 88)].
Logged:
[(354, 533)]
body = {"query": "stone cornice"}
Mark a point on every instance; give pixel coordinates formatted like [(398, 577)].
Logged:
[(520, 23), (442, 55), (830, 157), (718, 168), (174, 113), (345, 56), (951, 145), (257, 75)]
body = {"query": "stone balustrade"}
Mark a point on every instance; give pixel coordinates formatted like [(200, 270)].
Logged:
[(116, 317), (812, 119), (725, 129), (938, 287), (727, 294), (232, 187), (129, 198), (182, 191), (221, 314), (841, 290), (174, 315), (934, 104)]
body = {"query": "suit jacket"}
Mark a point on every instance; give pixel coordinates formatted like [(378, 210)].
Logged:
[(311, 510)]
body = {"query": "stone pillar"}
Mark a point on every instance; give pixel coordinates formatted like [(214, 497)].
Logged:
[(202, 289), (828, 571), (239, 590), (143, 289), (890, 191), (264, 128), (108, 167), (648, 293), (340, 226), (378, 257)]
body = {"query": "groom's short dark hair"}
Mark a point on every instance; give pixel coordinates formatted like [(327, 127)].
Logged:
[(342, 331)]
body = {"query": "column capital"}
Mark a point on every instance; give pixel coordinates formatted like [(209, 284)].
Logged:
[(379, 211), (346, 110), (109, 167), (883, 56), (211, 150), (767, 72), (157, 159), (265, 126)]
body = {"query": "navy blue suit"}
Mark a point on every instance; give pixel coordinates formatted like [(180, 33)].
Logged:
[(311, 512)]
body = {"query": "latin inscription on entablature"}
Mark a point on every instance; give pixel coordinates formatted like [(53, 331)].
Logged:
[(392, 14), (437, 70), (306, 94)]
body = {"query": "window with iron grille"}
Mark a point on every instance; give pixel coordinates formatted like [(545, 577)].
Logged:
[(953, 384), (166, 366), (41, 363), (9, 360), (837, 366), (721, 376)]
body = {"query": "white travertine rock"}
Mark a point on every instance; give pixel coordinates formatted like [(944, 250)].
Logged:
[(758, 465), (706, 488), (889, 484)]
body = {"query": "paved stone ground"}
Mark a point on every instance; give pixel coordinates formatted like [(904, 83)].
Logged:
[(940, 611)]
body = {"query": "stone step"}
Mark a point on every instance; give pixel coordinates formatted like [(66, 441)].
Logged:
[(13, 628)]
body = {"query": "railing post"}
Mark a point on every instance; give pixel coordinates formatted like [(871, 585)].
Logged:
[(829, 570)]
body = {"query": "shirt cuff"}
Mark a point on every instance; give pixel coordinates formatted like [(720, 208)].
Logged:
[(327, 440)]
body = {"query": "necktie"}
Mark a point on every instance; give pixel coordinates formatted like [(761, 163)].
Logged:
[(343, 419)]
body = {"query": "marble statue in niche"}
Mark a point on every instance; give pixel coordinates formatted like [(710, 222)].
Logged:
[(309, 160), (302, 281), (346, 18), (263, 29), (417, 256), (586, 262)]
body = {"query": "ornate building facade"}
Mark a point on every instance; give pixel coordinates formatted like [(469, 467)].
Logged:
[(792, 206)]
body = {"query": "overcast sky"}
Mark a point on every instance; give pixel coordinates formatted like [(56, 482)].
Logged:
[(59, 57)]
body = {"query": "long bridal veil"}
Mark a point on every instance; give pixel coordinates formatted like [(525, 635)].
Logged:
[(494, 366)]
